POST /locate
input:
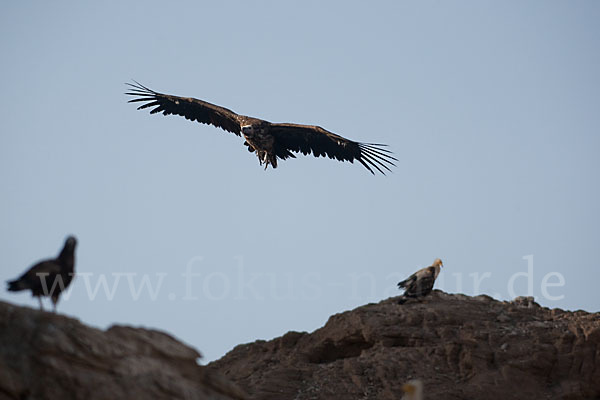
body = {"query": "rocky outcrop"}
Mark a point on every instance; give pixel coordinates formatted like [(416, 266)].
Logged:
[(461, 347), (48, 356)]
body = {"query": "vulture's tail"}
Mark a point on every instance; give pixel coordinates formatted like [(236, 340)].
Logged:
[(15, 286)]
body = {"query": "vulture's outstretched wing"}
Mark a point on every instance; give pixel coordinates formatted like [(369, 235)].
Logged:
[(190, 108), (307, 139)]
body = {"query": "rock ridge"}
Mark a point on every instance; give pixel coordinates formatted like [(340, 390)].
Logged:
[(461, 347), (50, 356)]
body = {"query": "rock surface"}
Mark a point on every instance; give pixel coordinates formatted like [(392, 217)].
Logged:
[(48, 356), (461, 347)]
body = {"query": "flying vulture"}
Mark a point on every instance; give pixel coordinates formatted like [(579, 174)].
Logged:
[(49, 277), (421, 282), (268, 140)]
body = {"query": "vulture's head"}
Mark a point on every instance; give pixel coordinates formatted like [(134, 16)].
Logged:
[(248, 130), (437, 263), (413, 390), (70, 243)]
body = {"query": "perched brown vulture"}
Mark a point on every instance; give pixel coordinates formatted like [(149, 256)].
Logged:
[(49, 277), (270, 141), (421, 282)]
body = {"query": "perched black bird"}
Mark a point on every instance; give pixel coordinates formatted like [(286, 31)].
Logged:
[(421, 282), (49, 277), (270, 141)]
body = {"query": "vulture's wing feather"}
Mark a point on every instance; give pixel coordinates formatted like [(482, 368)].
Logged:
[(422, 283), (32, 278), (405, 283), (190, 108), (307, 139), (421, 287)]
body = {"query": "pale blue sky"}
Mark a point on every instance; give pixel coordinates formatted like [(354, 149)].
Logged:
[(492, 109)]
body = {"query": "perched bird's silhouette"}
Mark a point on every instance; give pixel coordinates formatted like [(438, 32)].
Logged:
[(270, 141), (49, 277), (421, 282)]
